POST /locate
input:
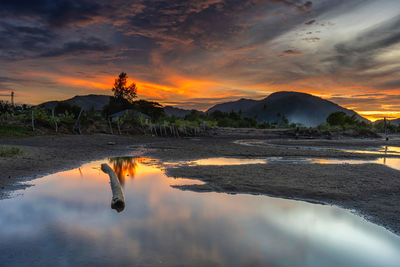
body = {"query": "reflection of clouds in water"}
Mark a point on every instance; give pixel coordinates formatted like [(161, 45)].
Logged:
[(67, 221)]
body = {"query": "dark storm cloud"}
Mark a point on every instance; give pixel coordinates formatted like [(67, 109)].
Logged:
[(206, 24), (23, 41), (78, 47), (53, 12)]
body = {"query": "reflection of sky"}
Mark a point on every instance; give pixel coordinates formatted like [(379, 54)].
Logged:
[(227, 161), (382, 150), (390, 162), (66, 219)]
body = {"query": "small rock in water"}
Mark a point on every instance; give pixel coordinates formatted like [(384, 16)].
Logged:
[(111, 143)]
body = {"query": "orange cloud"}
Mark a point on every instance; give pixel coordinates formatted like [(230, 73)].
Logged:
[(179, 90)]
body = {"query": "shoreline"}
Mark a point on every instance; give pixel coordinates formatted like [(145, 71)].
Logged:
[(368, 190)]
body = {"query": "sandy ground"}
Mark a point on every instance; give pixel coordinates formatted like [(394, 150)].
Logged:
[(371, 189)]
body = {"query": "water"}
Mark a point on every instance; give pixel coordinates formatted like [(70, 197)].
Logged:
[(66, 219), (384, 150), (393, 163)]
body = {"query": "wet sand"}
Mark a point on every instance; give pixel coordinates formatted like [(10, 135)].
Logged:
[(370, 189)]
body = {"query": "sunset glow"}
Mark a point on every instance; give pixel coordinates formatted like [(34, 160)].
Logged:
[(195, 54)]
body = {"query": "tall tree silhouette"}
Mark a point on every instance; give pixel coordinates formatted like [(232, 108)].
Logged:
[(122, 92)]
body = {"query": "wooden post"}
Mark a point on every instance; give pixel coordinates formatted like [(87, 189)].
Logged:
[(386, 129), (78, 123), (109, 124), (118, 199), (54, 120), (119, 129), (33, 120), (155, 130)]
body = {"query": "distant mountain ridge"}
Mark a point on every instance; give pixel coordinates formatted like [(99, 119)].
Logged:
[(392, 122), (302, 108), (87, 102), (179, 112), (241, 104)]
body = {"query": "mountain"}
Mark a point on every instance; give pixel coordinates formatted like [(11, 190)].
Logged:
[(173, 111), (297, 107), (85, 101), (241, 104), (392, 122), (395, 122)]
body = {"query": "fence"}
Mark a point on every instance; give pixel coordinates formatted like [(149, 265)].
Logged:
[(45, 120)]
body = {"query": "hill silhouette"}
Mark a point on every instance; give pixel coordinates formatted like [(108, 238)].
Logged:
[(296, 107)]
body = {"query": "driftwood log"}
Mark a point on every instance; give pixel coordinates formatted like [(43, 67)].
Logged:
[(118, 199)]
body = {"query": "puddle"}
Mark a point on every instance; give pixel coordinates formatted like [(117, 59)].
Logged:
[(226, 161), (390, 162), (384, 150), (66, 219)]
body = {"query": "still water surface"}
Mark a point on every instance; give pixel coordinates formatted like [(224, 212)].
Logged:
[(66, 220), (382, 150), (393, 163)]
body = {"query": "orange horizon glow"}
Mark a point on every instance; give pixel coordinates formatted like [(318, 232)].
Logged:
[(196, 54), (176, 90)]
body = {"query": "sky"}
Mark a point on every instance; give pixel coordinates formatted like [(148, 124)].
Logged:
[(194, 54)]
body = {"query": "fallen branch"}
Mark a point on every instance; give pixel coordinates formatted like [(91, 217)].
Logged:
[(118, 199)]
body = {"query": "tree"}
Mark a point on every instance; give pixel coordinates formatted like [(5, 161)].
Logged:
[(65, 107), (340, 118), (153, 109), (336, 118), (122, 92)]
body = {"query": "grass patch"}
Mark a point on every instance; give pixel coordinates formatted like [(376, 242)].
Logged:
[(14, 131), (10, 151)]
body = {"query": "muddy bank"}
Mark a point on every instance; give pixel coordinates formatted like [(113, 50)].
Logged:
[(371, 189), (196, 148), (304, 133), (47, 154)]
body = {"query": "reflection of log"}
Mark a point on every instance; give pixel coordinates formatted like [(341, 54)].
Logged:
[(118, 199)]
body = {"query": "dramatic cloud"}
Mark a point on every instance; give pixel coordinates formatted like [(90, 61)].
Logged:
[(56, 13), (79, 47), (194, 53)]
